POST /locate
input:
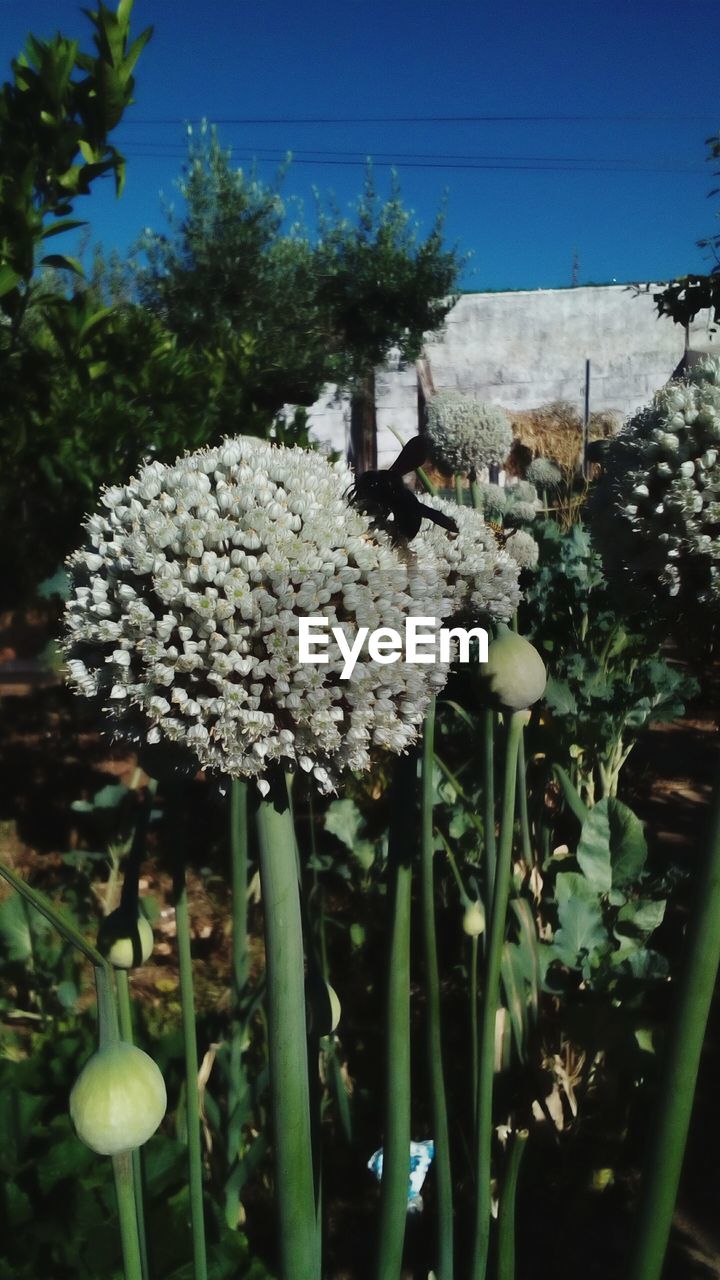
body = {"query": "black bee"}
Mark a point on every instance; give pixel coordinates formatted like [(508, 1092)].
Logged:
[(382, 493)]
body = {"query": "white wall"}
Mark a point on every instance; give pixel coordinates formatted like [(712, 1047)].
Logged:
[(526, 348)]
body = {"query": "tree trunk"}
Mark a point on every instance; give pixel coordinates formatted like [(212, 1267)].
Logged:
[(363, 426)]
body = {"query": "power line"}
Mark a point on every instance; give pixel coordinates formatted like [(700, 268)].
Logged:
[(480, 168), (394, 156), (472, 119)]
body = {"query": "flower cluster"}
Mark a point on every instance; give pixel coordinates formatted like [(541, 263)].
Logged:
[(492, 501), (465, 434), (187, 597), (656, 510), (480, 579), (521, 503), (543, 473), (523, 549)]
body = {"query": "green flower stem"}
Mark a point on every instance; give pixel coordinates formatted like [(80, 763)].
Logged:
[(396, 1141), (425, 481), (489, 803), (523, 803), (434, 1032), (491, 992), (665, 1157), (56, 918), (474, 1059), (108, 1033), (192, 1095), (239, 879), (124, 1192), (459, 498), (289, 1086), (124, 1004), (506, 1212), (475, 494)]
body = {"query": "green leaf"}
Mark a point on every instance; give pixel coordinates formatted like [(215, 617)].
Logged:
[(18, 926), (55, 588), (64, 926), (69, 1158), (646, 965), (640, 918), (18, 1112), (513, 983), (612, 849), (9, 279), (344, 820), (62, 262), (582, 932), (57, 228), (560, 698), (572, 799)]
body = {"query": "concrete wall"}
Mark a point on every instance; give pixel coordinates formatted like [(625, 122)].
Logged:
[(524, 349)]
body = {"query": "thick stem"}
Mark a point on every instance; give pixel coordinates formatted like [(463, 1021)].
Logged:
[(122, 1170), (474, 1061), (192, 1095), (396, 1144), (287, 1038), (239, 878), (438, 1100), (108, 1034), (459, 498), (108, 1031), (489, 803), (506, 1213), (493, 958), (684, 1047), (122, 987), (523, 804)]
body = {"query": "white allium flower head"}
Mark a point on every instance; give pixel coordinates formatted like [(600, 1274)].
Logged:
[(543, 473), (492, 501), (656, 510), (466, 434), (523, 549), (187, 597), (521, 502), (480, 578)]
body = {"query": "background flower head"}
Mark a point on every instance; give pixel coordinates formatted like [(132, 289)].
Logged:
[(656, 510), (465, 434)]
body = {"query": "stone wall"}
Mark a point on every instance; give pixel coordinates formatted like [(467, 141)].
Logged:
[(524, 349)]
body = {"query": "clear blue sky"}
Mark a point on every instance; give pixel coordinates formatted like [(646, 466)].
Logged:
[(625, 188)]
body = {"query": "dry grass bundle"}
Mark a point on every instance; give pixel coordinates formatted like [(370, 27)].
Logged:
[(555, 431)]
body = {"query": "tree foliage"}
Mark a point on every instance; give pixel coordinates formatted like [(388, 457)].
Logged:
[(306, 310), (684, 298), (228, 318), (55, 117)]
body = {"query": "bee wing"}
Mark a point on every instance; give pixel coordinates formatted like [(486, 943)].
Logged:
[(412, 456), (437, 517)]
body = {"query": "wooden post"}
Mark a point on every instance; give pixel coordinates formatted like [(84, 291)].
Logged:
[(586, 420)]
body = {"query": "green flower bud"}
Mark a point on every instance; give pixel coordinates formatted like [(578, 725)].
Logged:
[(125, 943), (514, 675), (474, 919), (118, 1100)]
